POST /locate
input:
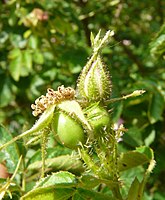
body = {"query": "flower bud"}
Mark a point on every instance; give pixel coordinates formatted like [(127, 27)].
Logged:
[(94, 83)]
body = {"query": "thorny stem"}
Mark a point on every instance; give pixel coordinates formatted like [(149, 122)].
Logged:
[(107, 169), (43, 149), (103, 156), (116, 189), (88, 161), (112, 165)]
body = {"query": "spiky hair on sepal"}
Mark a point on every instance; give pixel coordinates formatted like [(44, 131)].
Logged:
[(94, 82)]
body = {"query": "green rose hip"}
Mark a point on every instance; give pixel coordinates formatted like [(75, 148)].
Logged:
[(98, 117), (69, 132)]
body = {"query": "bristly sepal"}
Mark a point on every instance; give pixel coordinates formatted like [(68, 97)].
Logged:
[(94, 83)]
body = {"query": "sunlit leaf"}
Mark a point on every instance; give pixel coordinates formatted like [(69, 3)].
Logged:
[(15, 64), (26, 63), (33, 42)]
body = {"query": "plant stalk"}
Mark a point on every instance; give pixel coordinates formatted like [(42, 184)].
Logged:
[(43, 149)]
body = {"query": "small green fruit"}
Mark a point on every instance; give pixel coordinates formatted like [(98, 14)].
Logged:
[(98, 117), (67, 130)]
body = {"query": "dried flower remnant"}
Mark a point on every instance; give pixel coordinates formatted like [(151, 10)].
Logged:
[(52, 97)]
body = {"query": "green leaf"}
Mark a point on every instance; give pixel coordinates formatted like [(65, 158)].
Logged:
[(62, 179), (20, 64), (62, 26), (17, 41), (11, 154), (14, 53), (83, 194), (88, 181), (146, 151), (42, 123), (38, 57), (150, 138), (57, 186), (133, 137), (6, 93), (49, 194), (15, 64), (63, 162), (26, 63), (33, 42), (131, 159), (156, 107), (134, 189), (53, 152), (158, 44), (159, 195)]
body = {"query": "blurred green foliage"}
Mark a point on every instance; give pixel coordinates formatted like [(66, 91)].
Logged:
[(46, 43)]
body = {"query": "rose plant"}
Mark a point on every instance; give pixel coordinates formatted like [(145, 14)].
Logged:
[(81, 121)]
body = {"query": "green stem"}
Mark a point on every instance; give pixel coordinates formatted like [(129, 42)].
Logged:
[(116, 189), (116, 193), (43, 149), (146, 175), (133, 94), (89, 161), (6, 186), (107, 153), (23, 176)]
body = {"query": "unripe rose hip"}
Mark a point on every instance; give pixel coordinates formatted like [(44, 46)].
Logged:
[(68, 131), (98, 117)]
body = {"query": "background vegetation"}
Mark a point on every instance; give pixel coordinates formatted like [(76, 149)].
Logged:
[(46, 43)]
